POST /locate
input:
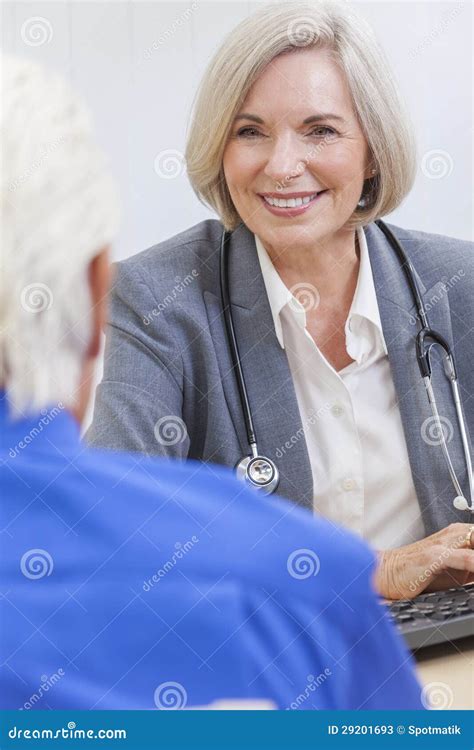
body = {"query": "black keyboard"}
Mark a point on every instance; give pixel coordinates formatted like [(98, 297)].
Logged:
[(436, 617)]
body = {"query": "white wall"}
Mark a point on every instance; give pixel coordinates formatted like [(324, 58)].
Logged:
[(138, 65)]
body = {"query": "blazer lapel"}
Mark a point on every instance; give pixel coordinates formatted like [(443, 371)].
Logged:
[(267, 375), (398, 314)]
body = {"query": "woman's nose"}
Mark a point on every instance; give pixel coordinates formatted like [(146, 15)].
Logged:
[(287, 159)]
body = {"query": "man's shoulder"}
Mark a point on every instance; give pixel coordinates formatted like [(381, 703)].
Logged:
[(259, 541)]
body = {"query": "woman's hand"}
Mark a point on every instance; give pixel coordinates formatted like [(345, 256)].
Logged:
[(440, 561)]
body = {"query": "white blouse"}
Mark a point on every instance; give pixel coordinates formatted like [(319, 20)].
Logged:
[(351, 420)]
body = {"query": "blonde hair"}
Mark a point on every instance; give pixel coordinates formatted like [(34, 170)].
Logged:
[(58, 209), (242, 57)]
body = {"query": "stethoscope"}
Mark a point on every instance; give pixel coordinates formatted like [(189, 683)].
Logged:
[(260, 471)]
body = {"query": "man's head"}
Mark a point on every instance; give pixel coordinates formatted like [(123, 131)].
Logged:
[(58, 215)]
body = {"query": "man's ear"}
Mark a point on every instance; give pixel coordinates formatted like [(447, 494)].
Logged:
[(99, 281)]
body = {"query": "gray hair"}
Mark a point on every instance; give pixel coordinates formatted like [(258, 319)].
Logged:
[(289, 27), (59, 208)]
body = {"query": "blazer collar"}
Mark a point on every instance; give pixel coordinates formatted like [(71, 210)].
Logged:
[(245, 277), (247, 285)]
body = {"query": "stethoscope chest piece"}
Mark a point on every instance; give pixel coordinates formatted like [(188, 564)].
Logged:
[(260, 472)]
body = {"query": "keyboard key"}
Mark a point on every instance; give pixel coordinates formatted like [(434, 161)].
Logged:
[(422, 606)]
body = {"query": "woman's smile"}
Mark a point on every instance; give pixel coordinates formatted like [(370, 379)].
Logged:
[(291, 204)]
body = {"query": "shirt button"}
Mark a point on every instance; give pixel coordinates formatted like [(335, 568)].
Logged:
[(337, 410), (349, 484)]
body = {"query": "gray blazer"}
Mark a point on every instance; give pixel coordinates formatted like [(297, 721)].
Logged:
[(168, 387)]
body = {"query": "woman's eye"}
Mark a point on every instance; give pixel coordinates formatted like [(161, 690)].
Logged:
[(328, 131), (248, 132)]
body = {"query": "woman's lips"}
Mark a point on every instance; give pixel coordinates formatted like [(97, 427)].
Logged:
[(294, 210)]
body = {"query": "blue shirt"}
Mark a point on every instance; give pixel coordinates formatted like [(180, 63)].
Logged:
[(132, 583)]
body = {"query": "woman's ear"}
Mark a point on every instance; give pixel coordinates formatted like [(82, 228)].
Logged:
[(99, 282)]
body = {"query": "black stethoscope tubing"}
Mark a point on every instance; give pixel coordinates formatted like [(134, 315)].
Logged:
[(266, 477)]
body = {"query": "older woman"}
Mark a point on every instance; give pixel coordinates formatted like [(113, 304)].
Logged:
[(290, 337)]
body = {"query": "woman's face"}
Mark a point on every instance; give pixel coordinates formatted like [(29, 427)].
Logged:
[(296, 135)]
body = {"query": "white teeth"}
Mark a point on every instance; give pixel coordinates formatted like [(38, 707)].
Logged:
[(291, 202)]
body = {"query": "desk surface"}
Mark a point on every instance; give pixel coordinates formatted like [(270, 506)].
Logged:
[(447, 671)]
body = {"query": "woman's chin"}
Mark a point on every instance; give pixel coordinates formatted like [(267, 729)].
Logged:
[(287, 235)]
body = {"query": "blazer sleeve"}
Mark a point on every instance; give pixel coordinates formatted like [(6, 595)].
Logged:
[(138, 404)]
